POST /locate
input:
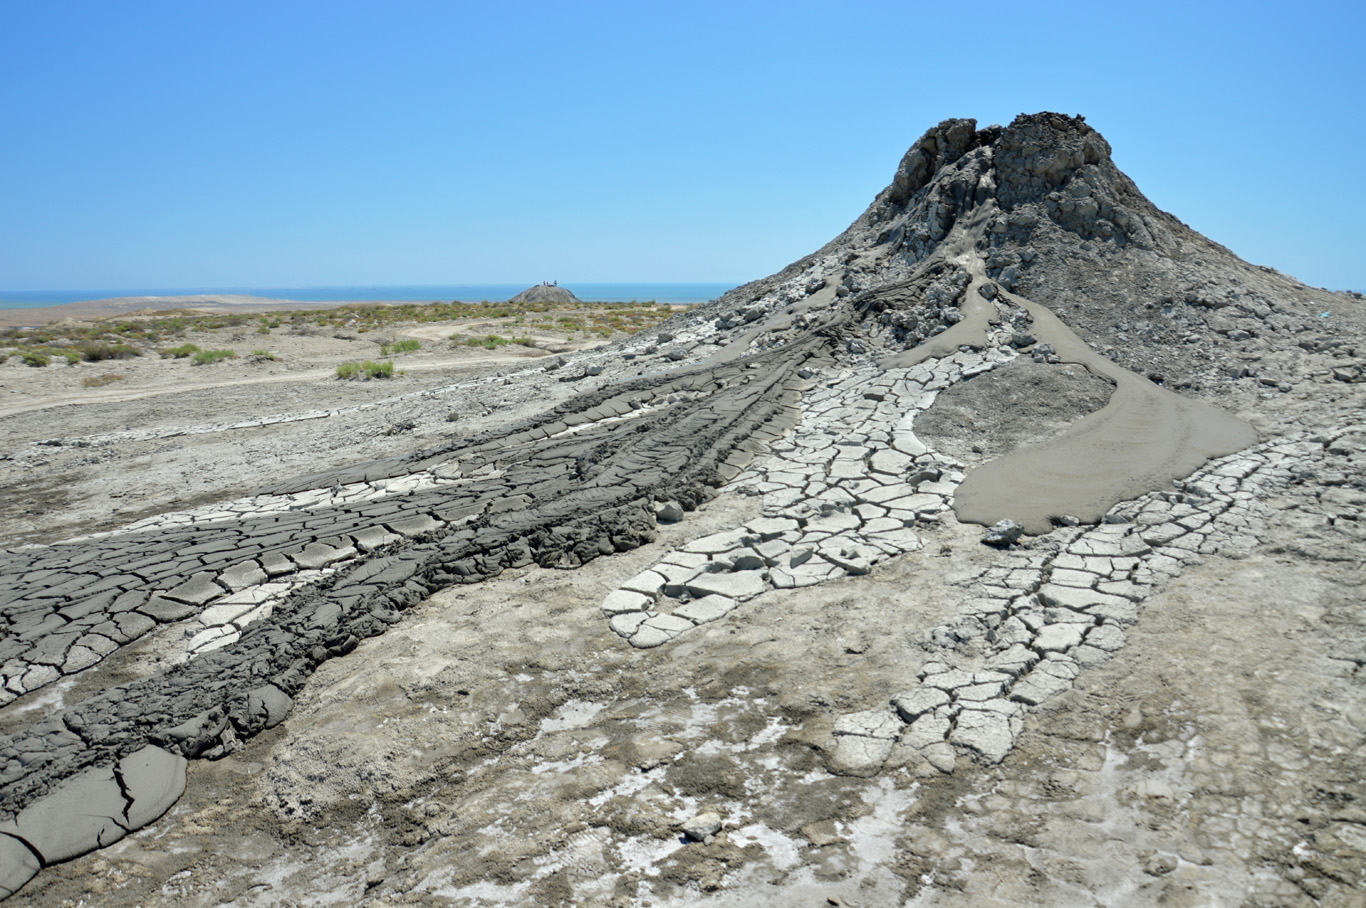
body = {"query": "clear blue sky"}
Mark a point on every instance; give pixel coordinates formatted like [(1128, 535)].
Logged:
[(284, 144)]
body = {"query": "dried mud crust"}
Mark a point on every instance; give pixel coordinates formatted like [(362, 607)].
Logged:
[(538, 494), (500, 762), (172, 436)]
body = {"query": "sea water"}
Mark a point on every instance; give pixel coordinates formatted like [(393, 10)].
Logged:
[(607, 293)]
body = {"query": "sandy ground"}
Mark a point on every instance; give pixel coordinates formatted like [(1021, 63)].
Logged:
[(145, 442), (127, 305)]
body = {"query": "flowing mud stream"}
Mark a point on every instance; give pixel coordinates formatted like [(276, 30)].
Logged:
[(1142, 440)]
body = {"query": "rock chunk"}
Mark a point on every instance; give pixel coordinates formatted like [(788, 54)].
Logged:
[(1003, 534), (166, 611), (702, 827), (668, 512), (267, 707), (195, 736), (708, 608), (743, 585), (198, 590)]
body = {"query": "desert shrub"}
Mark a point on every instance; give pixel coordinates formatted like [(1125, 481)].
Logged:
[(99, 381), (180, 352), (366, 370), (524, 341), (488, 342), (263, 330), (35, 358), (205, 357), (403, 346), (263, 354), (71, 354), (95, 351)]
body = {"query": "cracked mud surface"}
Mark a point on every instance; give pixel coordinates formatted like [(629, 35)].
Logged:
[(692, 619), (494, 764)]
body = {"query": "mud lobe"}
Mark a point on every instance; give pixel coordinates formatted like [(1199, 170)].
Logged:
[(1018, 404)]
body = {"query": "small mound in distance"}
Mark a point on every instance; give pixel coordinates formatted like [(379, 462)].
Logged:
[(545, 293)]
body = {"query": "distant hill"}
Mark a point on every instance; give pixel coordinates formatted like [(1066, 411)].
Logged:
[(545, 293)]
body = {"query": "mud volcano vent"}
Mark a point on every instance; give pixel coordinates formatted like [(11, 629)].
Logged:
[(785, 600)]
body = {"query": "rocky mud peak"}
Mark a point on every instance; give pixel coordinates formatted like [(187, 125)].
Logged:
[(1048, 160), (1042, 207)]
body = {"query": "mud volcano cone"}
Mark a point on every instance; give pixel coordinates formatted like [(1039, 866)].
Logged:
[(1010, 332)]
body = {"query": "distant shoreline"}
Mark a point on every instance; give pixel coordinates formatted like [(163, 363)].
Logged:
[(108, 307), (621, 291), (127, 305)]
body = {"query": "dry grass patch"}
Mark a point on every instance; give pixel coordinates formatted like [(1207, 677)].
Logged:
[(99, 381)]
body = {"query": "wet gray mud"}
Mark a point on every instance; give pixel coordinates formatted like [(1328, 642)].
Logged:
[(1142, 439), (1021, 403)]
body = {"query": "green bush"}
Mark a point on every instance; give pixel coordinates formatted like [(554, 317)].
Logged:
[(263, 354), (72, 356), (35, 358), (204, 357), (488, 342), (403, 346), (366, 370), (180, 352), (95, 351)]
